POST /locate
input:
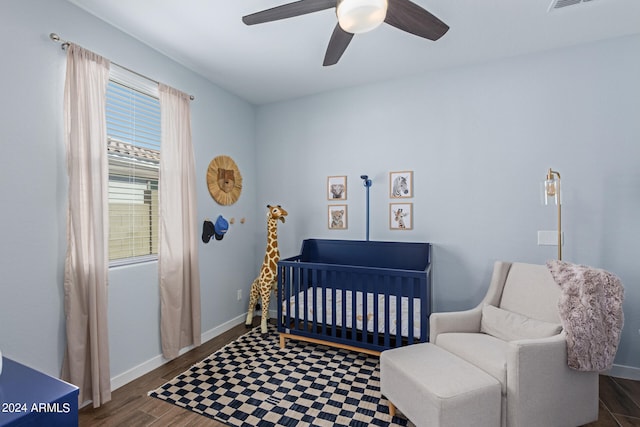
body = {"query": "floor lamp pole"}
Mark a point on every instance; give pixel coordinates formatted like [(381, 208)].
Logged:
[(559, 222)]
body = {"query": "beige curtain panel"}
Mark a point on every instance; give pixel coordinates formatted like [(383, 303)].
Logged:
[(86, 361), (178, 249)]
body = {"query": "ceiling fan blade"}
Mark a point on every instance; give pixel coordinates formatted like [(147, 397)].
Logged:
[(340, 39), (408, 16), (288, 10)]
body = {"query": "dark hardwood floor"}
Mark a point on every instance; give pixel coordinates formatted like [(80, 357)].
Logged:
[(130, 405), (619, 403)]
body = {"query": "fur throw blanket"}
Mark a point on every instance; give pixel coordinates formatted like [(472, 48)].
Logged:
[(590, 308)]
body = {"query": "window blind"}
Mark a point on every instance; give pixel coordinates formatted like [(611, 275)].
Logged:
[(133, 147)]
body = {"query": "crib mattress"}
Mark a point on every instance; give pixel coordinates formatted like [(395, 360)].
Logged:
[(318, 312)]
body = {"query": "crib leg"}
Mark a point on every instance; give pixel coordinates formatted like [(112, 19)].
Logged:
[(392, 409), (283, 341)]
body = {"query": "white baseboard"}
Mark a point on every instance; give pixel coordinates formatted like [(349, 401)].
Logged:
[(622, 371), (151, 364)]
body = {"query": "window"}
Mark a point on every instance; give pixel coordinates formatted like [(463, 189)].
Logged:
[(133, 147)]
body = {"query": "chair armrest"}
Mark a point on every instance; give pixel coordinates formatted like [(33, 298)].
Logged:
[(542, 387), (543, 354), (454, 321)]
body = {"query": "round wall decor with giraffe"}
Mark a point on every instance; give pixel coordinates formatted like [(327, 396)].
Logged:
[(224, 180)]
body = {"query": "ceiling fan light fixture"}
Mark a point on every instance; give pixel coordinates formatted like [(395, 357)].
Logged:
[(360, 16)]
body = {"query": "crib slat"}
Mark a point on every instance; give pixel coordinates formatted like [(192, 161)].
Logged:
[(410, 312), (398, 294), (334, 312), (354, 307), (376, 309), (387, 316), (365, 280), (296, 305), (344, 328), (314, 300)]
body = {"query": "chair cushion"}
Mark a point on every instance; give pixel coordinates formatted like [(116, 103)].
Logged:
[(529, 289), (510, 326), (484, 351)]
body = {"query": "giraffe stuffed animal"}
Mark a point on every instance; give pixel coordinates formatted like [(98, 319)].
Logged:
[(267, 279)]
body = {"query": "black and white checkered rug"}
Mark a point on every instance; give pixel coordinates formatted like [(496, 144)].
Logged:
[(252, 382)]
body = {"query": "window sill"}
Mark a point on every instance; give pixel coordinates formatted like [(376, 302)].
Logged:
[(125, 262)]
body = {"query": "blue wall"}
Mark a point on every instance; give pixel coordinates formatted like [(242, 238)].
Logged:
[(33, 190), (480, 140)]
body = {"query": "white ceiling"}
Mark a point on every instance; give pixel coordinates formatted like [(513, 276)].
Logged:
[(283, 59)]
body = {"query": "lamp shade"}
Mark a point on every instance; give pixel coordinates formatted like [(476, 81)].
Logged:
[(552, 188), (360, 16)]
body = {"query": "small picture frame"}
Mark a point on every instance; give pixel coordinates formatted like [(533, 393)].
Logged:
[(401, 216), (401, 185), (337, 188), (337, 217)]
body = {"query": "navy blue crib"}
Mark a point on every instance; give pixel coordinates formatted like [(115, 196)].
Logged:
[(366, 296)]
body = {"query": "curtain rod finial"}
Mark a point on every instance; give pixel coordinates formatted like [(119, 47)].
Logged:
[(56, 38)]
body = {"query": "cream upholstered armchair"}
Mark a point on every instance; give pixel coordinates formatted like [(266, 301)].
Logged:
[(514, 335)]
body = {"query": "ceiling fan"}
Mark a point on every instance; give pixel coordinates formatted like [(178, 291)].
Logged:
[(358, 16)]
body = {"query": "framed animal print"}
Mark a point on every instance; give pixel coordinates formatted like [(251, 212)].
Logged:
[(337, 217), (401, 184), (401, 216), (337, 188)]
